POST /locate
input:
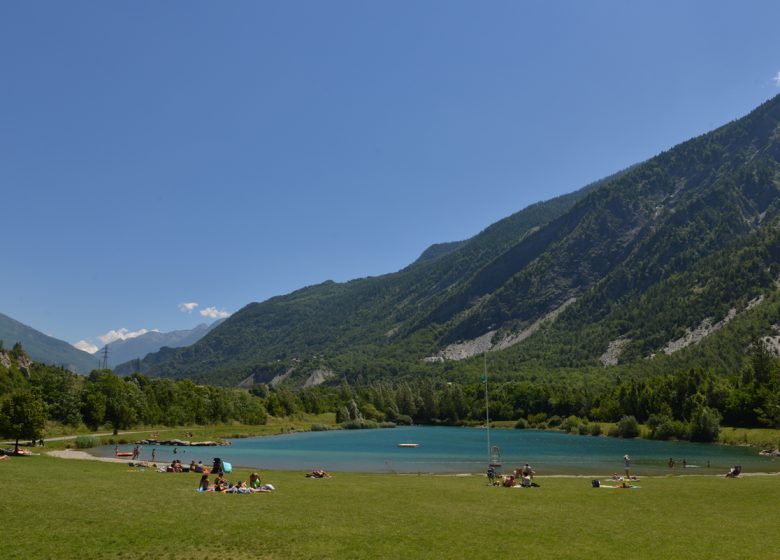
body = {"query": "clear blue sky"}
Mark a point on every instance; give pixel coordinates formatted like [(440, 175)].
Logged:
[(219, 153)]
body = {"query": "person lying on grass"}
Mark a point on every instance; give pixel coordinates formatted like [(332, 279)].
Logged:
[(319, 473)]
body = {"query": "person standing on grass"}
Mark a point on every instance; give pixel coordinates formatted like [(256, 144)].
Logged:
[(627, 463)]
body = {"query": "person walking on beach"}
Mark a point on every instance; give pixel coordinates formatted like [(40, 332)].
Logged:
[(627, 463), (154, 454)]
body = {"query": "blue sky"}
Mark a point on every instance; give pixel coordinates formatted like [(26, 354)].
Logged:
[(154, 154)]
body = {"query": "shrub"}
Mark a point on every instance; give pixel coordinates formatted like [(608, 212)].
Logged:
[(319, 428), (554, 421), (583, 430), (613, 431), (387, 424), (628, 427), (541, 426), (570, 424), (670, 429), (537, 418), (705, 425), (85, 442), (521, 424), (403, 420), (663, 426), (359, 425), (595, 429)]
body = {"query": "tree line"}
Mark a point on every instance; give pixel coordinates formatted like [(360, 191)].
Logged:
[(687, 404)]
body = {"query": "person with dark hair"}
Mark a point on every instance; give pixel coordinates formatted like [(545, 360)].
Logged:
[(491, 475), (220, 484)]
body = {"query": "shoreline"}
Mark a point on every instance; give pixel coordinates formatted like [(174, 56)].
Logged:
[(75, 454)]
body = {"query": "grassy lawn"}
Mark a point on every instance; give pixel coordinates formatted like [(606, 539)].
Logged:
[(60, 437), (757, 437), (57, 508)]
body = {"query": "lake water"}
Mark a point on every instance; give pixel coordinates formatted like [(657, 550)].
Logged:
[(463, 450)]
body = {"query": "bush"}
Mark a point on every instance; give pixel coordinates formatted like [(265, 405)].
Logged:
[(628, 427), (521, 424), (86, 442), (570, 424), (319, 428), (387, 424), (670, 429), (583, 430), (595, 429), (663, 427), (359, 425), (537, 418), (541, 426), (554, 421), (403, 420), (613, 431), (705, 425)]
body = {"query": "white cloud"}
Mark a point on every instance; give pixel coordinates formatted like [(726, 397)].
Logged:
[(187, 307), (214, 313), (123, 334), (86, 346), (777, 79)]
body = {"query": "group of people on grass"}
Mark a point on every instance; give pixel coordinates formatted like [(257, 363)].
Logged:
[(242, 487), (522, 477)]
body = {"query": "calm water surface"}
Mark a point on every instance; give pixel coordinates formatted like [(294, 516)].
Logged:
[(463, 450)]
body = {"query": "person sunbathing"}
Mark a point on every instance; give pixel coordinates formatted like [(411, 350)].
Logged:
[(254, 480), (203, 486), (734, 472), (319, 473), (220, 484)]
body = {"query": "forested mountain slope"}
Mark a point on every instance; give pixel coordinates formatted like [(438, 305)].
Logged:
[(622, 268), (44, 348)]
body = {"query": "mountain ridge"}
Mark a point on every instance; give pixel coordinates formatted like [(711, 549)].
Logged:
[(44, 348), (573, 260), (128, 349)]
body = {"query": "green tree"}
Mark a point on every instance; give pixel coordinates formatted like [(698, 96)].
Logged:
[(705, 425), (23, 416), (627, 427)]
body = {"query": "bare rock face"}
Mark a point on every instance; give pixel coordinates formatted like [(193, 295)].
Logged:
[(318, 377), (487, 342), (612, 356)]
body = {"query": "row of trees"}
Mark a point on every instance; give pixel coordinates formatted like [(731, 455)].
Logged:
[(105, 399), (686, 404)]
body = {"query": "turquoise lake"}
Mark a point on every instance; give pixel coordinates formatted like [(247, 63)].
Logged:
[(463, 450)]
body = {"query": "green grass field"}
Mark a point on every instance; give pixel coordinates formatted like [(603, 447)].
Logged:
[(58, 508)]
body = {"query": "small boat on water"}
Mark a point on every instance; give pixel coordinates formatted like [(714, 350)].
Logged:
[(408, 445), (124, 453)]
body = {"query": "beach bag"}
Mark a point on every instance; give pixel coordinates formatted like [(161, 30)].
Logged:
[(595, 483)]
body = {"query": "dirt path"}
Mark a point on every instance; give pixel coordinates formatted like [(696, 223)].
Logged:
[(83, 455)]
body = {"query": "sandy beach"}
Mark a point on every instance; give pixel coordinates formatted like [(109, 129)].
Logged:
[(83, 455)]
